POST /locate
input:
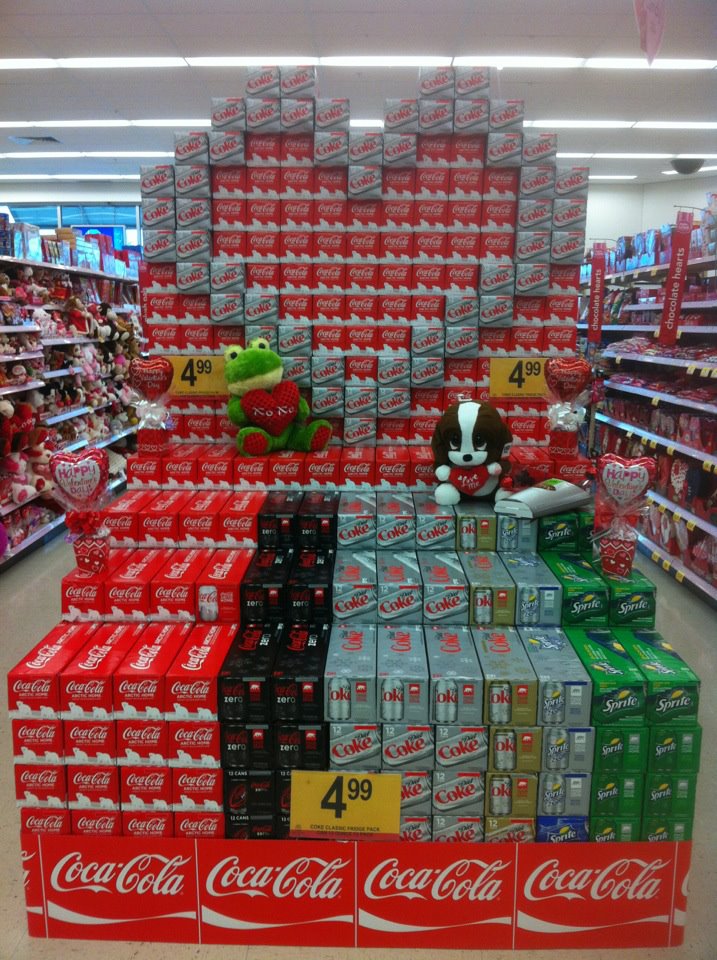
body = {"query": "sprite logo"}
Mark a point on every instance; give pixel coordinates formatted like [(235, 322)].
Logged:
[(604, 667), (667, 746), (608, 792), (561, 531), (663, 792), (606, 835), (659, 834), (586, 603), (637, 603), (563, 834), (612, 749), (668, 703), (621, 702)]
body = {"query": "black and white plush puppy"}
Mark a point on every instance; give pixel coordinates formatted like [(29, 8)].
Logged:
[(470, 445)]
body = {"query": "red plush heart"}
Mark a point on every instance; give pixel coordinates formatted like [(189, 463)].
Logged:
[(625, 481), (273, 411), (567, 377), (151, 377), (82, 477)]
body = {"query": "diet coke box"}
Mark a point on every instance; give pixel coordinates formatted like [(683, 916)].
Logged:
[(38, 740), (173, 593), (456, 693), (263, 114), (399, 149), (194, 245), (435, 81), (435, 524), (298, 370), (393, 371), (350, 676), (359, 431), (159, 246), (245, 675), (426, 372), (191, 147), (297, 81), (229, 114), (226, 149), (354, 746), (192, 180), (194, 789), (331, 148), (139, 681), (535, 213), (407, 747), (462, 747), (572, 182), (263, 81), (365, 147), (364, 182), (360, 401), (507, 115), (261, 308), (532, 246), (445, 589), (192, 280), (532, 279), (402, 677), (400, 593), (497, 277), (40, 785), (96, 823), (400, 116), (355, 586), (569, 213), (461, 310), (297, 116), (83, 594), (226, 308), (332, 114), (471, 117), (393, 402), (567, 246), (86, 682), (127, 595), (157, 180), (457, 794), (504, 149), (356, 520), (294, 339), (158, 213), (455, 829), (539, 148), (415, 829), (427, 339), (537, 181), (462, 341), (472, 81), (141, 742)]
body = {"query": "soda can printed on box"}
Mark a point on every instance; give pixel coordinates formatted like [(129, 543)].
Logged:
[(263, 114), (539, 148), (229, 114)]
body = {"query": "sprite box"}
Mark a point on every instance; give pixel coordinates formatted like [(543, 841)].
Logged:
[(674, 749), (621, 749), (614, 829), (666, 828), (586, 524), (673, 688), (670, 794), (585, 594), (632, 600), (616, 794), (558, 532), (618, 684)]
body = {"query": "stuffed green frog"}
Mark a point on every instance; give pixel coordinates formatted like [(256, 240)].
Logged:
[(272, 414)]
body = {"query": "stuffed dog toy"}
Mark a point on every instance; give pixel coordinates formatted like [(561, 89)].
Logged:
[(470, 445)]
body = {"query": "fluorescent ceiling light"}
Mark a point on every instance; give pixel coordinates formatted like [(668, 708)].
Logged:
[(69, 176), (179, 124), (119, 63), (676, 125), (697, 156), (38, 63), (673, 173), (251, 61), (632, 156), (573, 156), (613, 176), (637, 63), (531, 63), (360, 122), (581, 124), (169, 122), (382, 61), (76, 154)]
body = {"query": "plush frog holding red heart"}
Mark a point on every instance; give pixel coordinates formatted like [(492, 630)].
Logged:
[(272, 414)]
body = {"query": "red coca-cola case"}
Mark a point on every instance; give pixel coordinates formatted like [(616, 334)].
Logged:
[(179, 468), (45, 821), (37, 740), (199, 519), (190, 684), (215, 468), (121, 517), (358, 467), (144, 471), (96, 823), (218, 586), (147, 824), (142, 741), (173, 593), (321, 469), (199, 824), (250, 471), (93, 787), (127, 595), (83, 595), (145, 787), (89, 741), (139, 681), (238, 519), (194, 743), (40, 785), (196, 789), (158, 520)]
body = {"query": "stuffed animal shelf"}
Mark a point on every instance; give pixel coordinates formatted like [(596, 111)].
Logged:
[(272, 414), (470, 448)]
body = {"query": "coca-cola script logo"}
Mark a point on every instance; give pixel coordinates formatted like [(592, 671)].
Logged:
[(625, 878), (464, 879), (311, 878), (146, 873)]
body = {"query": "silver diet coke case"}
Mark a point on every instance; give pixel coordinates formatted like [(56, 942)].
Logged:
[(458, 792), (461, 747), (456, 689), (356, 521), (400, 590), (354, 593), (416, 786), (350, 674), (354, 746), (407, 747), (445, 588), (435, 524), (401, 675)]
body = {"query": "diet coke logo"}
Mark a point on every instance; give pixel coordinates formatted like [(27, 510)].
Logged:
[(311, 878), (623, 879), (465, 879), (146, 873)]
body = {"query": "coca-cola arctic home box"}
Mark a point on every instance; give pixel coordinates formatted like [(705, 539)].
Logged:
[(218, 586), (127, 593), (191, 681), (83, 593), (172, 591), (139, 681)]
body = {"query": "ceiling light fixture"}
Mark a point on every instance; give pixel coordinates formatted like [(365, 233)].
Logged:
[(369, 122), (251, 61), (573, 156), (119, 63), (529, 63), (613, 176), (37, 63), (182, 124), (94, 154), (581, 124), (676, 125), (383, 61), (632, 156), (69, 176)]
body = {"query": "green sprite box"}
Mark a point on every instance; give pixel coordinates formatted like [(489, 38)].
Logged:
[(673, 688), (674, 749), (585, 594), (618, 684), (616, 794), (558, 532), (586, 523), (670, 794), (621, 749), (666, 828), (632, 600), (614, 829)]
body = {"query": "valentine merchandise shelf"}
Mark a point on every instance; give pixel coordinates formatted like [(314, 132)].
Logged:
[(21, 387), (704, 369), (97, 444), (64, 268), (709, 460), (681, 513), (660, 396), (678, 570), (648, 328), (696, 265)]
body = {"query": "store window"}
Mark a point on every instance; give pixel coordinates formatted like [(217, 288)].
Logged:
[(100, 214), (40, 216)]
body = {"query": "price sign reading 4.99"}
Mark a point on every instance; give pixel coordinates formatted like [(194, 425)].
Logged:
[(198, 376), (517, 377), (350, 806)]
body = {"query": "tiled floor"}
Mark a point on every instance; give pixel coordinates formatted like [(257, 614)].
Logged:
[(30, 605)]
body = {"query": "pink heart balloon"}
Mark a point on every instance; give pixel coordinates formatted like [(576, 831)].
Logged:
[(82, 477), (625, 481)]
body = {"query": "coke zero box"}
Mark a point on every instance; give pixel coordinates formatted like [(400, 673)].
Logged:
[(515, 748), (354, 746), (249, 793), (199, 824), (278, 519), (259, 827), (96, 823), (616, 830), (402, 675), (218, 586), (618, 684), (616, 795), (86, 682), (93, 787), (122, 517), (567, 829), (356, 520), (37, 740), (400, 592), (316, 521), (147, 823), (564, 794), (435, 524), (198, 522), (244, 678), (263, 589), (145, 788), (509, 830), (191, 680), (350, 674), (308, 590), (83, 594), (564, 687), (445, 589), (407, 747), (475, 526), (301, 746), (355, 586), (491, 590), (456, 680), (673, 749), (395, 520), (673, 688), (33, 685), (510, 682), (40, 785), (139, 680), (539, 595), (239, 519), (511, 794), (415, 829), (247, 746), (458, 792), (461, 747), (297, 677), (193, 743), (173, 594)]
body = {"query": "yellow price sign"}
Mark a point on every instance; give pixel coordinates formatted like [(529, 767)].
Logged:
[(345, 805), (655, 401), (198, 376), (517, 377)]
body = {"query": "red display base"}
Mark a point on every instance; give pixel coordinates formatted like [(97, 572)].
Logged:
[(426, 895)]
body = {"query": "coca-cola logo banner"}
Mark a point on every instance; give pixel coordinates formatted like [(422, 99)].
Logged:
[(328, 893)]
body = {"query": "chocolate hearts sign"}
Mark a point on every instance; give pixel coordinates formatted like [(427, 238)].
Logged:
[(81, 477)]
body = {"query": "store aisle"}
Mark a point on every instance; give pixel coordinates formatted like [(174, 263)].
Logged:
[(30, 605)]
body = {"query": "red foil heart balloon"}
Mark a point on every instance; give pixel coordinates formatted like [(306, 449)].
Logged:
[(567, 377), (82, 477), (151, 377), (626, 481)]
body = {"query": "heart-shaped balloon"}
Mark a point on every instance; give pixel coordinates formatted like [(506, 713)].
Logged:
[(626, 481), (567, 377), (82, 477), (151, 377)]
